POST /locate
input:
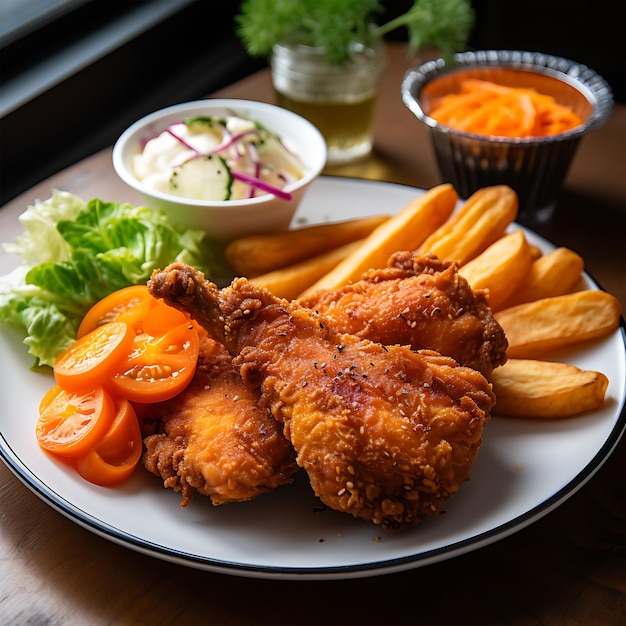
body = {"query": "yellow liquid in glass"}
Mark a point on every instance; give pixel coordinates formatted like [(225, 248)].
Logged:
[(346, 126)]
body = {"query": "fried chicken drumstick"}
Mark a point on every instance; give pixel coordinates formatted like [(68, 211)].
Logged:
[(421, 302), (384, 433), (214, 439)]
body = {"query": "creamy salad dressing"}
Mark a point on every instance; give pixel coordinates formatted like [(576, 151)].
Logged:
[(247, 151)]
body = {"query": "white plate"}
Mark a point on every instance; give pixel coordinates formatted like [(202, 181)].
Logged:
[(524, 470)]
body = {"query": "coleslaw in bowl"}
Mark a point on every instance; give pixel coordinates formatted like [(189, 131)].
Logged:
[(230, 167)]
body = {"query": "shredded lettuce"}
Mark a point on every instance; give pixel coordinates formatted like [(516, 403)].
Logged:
[(75, 253)]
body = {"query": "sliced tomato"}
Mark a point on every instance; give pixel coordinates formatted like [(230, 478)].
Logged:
[(164, 316), (161, 318), (133, 305), (48, 397), (93, 358), (130, 305), (71, 424), (160, 365), (115, 457), (202, 332)]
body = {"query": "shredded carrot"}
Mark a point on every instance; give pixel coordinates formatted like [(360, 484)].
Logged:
[(485, 108)]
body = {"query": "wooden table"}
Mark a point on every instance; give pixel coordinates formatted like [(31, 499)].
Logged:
[(566, 568)]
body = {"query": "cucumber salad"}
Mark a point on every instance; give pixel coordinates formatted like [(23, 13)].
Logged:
[(217, 158)]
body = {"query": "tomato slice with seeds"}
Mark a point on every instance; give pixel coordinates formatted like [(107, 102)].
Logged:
[(93, 358), (162, 317), (117, 454), (129, 304), (48, 397), (159, 366), (71, 424)]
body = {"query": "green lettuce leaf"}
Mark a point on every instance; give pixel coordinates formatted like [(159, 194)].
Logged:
[(76, 253)]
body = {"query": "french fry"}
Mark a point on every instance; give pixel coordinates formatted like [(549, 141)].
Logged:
[(404, 231), (481, 220), (535, 252), (258, 254), (554, 274), (290, 282), (545, 389), (536, 328), (501, 268)]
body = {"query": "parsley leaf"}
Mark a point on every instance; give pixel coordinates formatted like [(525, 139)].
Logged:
[(336, 25)]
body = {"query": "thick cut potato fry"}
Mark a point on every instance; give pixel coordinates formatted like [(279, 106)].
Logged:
[(501, 268), (258, 254), (480, 221), (545, 389), (290, 282), (554, 274), (404, 231), (536, 328)]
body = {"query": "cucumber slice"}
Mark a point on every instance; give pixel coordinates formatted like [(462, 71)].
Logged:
[(203, 178), (201, 123)]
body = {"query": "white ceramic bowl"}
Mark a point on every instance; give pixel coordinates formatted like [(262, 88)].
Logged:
[(534, 166), (226, 219)]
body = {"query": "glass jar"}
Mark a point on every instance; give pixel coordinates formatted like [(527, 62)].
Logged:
[(338, 99)]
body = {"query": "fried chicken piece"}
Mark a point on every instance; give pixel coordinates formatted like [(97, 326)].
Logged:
[(215, 439), (385, 433), (418, 301)]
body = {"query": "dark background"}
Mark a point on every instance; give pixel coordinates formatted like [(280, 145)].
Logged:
[(196, 52)]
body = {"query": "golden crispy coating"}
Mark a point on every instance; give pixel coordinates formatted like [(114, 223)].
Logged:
[(385, 433), (215, 439), (418, 301)]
